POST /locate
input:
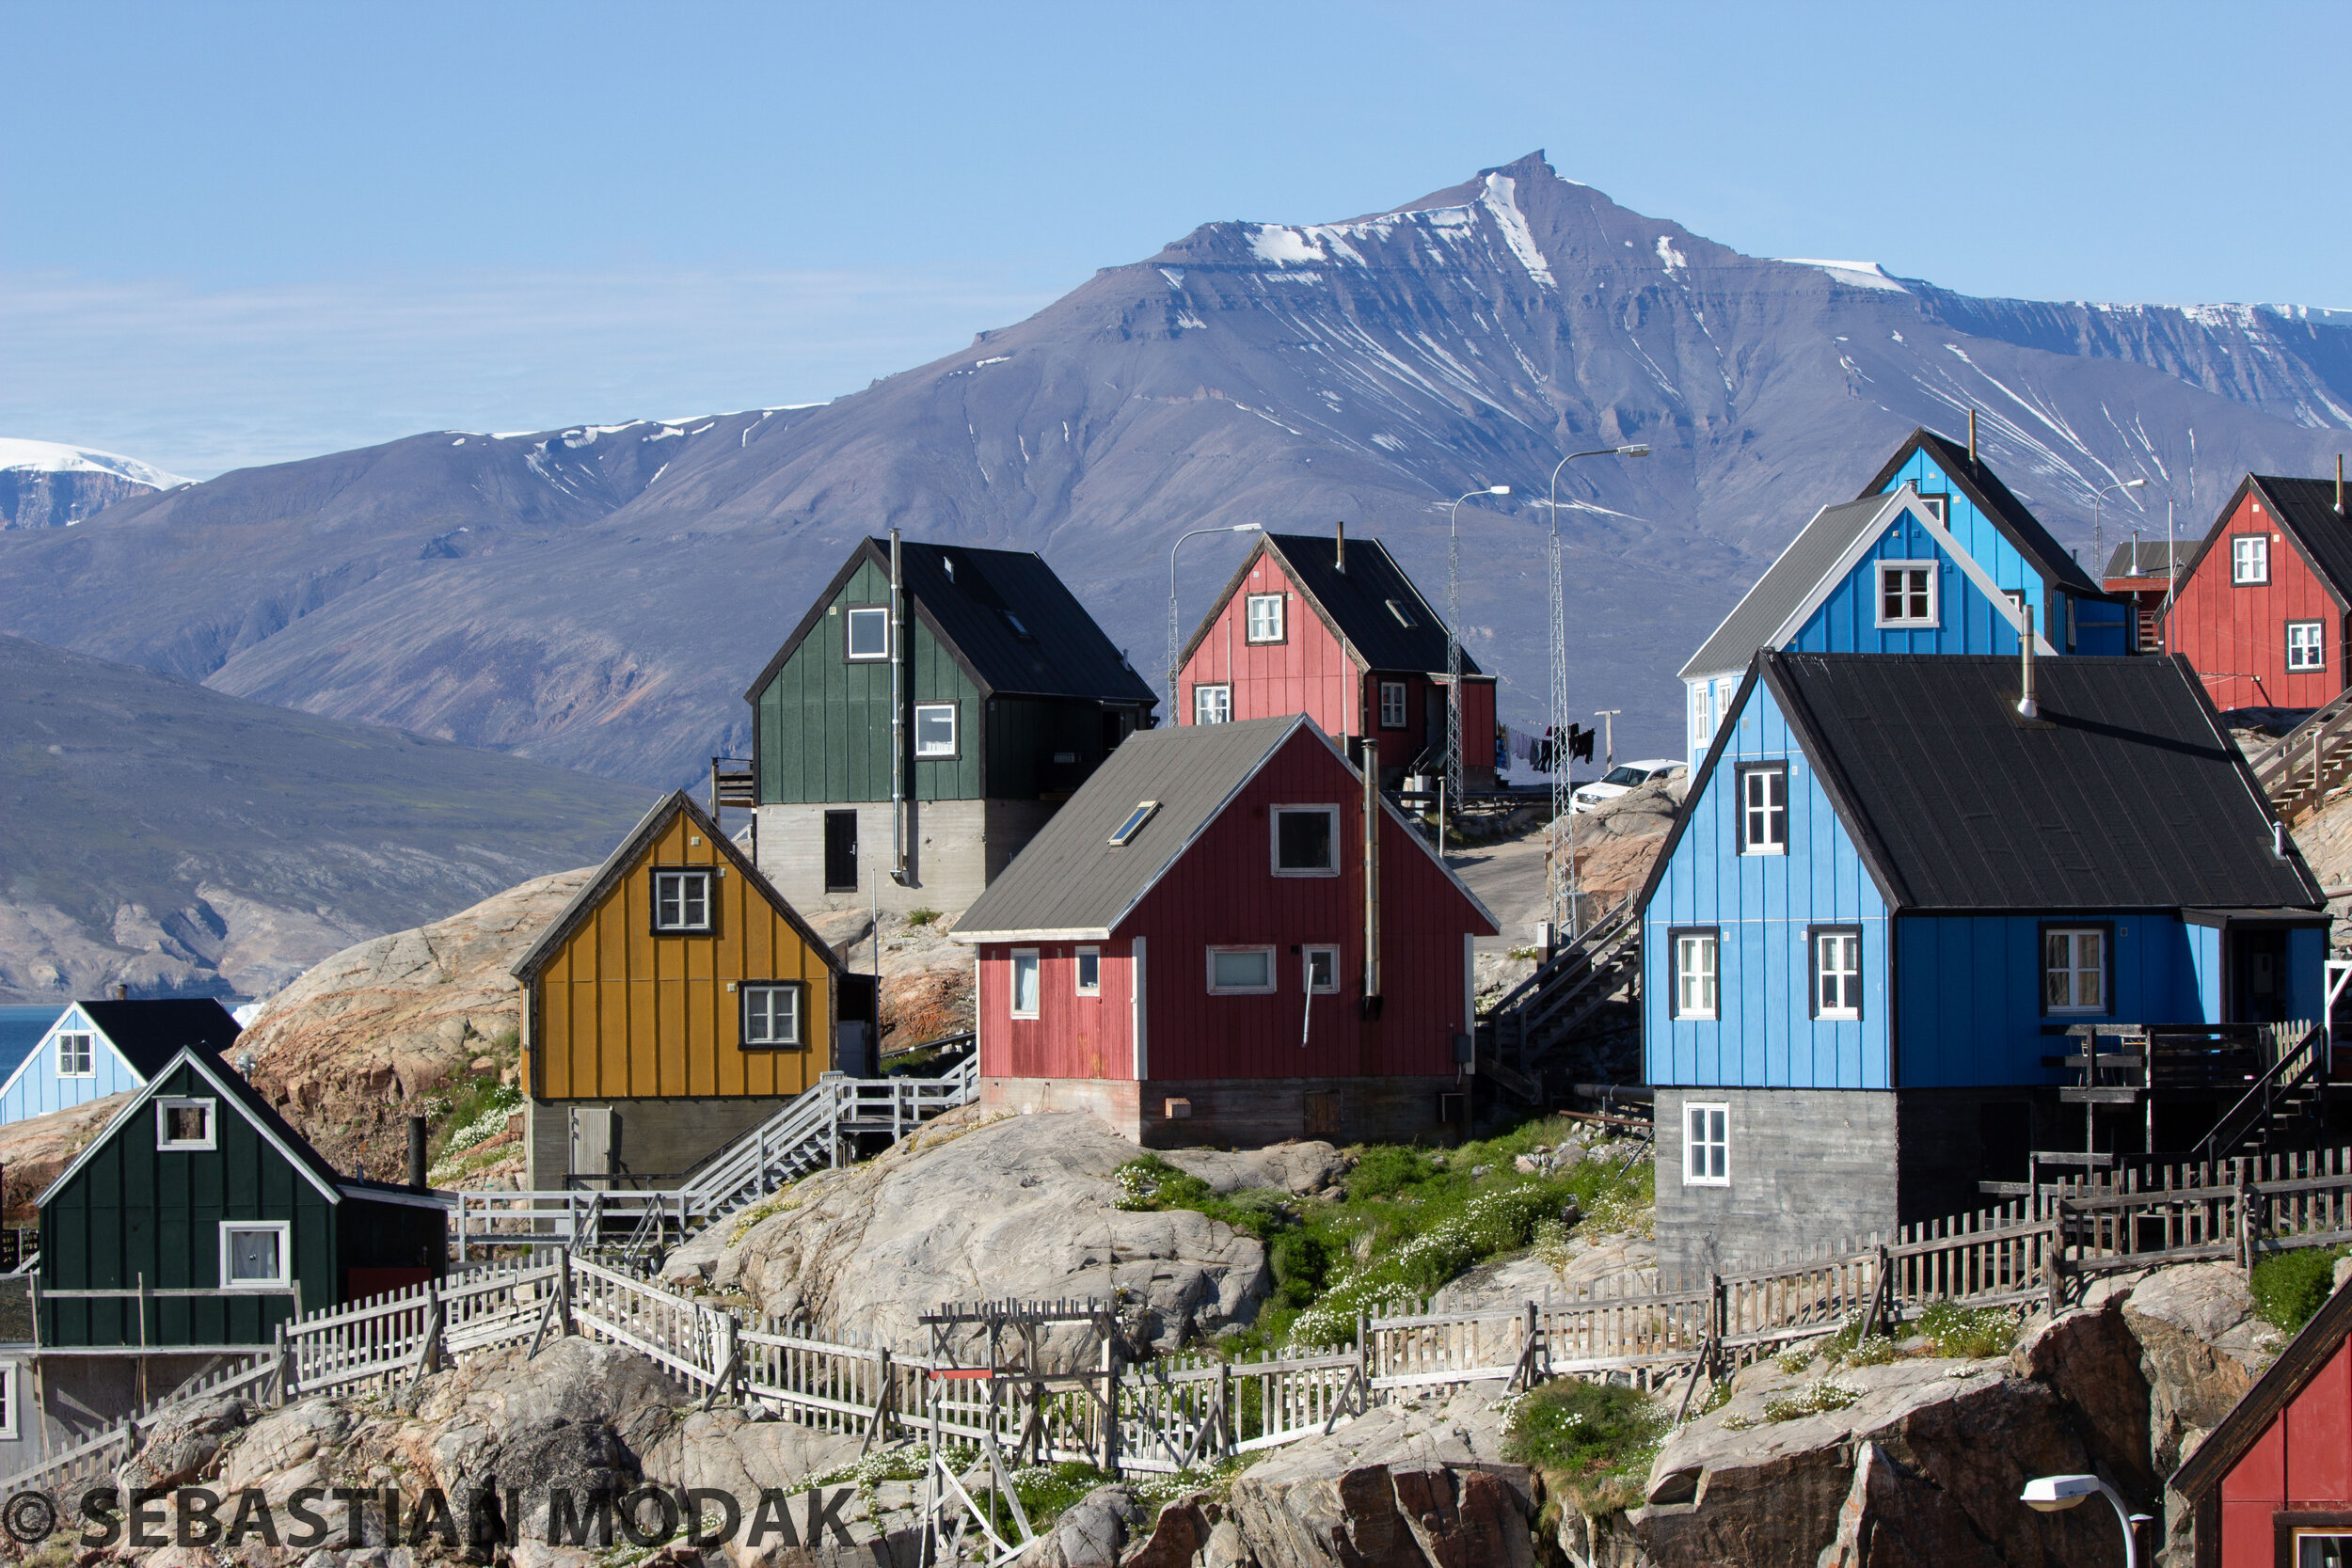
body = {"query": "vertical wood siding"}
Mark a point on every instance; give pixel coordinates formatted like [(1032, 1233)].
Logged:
[(2235, 635), (2303, 1461), (824, 723), (1966, 620), (36, 1088), (1764, 1036), (1073, 1036), (1309, 671), (625, 1014)]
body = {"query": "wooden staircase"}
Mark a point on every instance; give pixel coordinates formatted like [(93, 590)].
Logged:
[(2280, 1073), (1555, 1008), (2310, 763)]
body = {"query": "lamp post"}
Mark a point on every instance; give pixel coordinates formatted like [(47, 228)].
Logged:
[(1562, 888), (1174, 717), (2098, 542), (1453, 796), (2057, 1494)]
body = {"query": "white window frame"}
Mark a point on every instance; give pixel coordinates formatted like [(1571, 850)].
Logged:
[(849, 635), (1939, 507), (1274, 840), (2298, 1559), (1212, 703), (1133, 823), (9, 1384), (1275, 611), (89, 1055), (922, 752), (1394, 716), (1684, 945), (1908, 621), (2250, 558), (1078, 972), (1215, 989), (1821, 939), (2315, 645), (799, 1040), (165, 1104), (2075, 969), (682, 925), (284, 1279), (1012, 983), (1702, 715), (1307, 955), (1715, 1128), (1770, 813)]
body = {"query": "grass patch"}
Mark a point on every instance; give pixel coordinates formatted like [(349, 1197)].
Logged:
[(767, 1207), (1046, 1493), (1968, 1333), (2289, 1287), (1593, 1442), (1816, 1397), (922, 917), (470, 1111)]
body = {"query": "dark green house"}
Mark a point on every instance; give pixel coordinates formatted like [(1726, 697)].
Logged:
[(201, 1211), (1007, 697)]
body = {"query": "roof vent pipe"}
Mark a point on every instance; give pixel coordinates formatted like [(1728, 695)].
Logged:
[(2026, 707), (2339, 484), (1971, 440), (897, 724), (1339, 548)]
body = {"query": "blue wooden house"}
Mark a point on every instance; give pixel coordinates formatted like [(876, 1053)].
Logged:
[(1937, 556), (97, 1049), (1889, 897)]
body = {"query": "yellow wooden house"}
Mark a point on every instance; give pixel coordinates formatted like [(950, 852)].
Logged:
[(675, 1003)]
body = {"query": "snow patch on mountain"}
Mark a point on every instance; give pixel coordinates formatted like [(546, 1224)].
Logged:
[(1854, 275), (49, 457), (1503, 205)]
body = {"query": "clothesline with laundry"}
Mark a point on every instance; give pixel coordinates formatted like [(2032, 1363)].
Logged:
[(1541, 750)]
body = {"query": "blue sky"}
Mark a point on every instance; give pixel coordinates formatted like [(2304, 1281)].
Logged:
[(247, 232)]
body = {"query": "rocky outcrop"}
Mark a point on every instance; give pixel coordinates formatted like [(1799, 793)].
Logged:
[(926, 979), (973, 1208), (33, 1151)]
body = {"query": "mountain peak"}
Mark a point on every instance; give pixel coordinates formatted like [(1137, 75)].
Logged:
[(50, 457)]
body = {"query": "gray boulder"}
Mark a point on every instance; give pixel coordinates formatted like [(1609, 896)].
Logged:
[(1294, 1167)]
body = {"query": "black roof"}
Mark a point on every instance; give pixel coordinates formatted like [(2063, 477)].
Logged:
[(1983, 487), (1354, 603), (2127, 793), (2306, 509), (1013, 626), (150, 1033)]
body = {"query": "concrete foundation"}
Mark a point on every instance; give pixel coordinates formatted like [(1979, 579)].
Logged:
[(1239, 1112), (655, 1138), (955, 849), (1816, 1169)]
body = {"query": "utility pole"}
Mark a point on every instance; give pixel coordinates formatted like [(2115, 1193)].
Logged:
[(1608, 716)]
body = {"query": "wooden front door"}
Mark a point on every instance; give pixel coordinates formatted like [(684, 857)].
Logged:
[(840, 851), (2258, 976)]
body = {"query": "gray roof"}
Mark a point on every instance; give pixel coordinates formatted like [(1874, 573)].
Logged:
[(1784, 587), (1071, 878), (2145, 557)]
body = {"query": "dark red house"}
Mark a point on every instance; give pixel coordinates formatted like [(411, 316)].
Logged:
[(2273, 1484), (2262, 605), (1333, 628), (2140, 573), (1182, 950)]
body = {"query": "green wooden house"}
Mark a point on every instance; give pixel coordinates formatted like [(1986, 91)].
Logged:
[(1006, 697), (199, 1220)]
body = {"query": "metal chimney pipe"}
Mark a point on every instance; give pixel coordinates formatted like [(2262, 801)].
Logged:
[(2339, 484), (1339, 548), (2026, 707), (416, 1154), (898, 727), (1368, 755), (1971, 440)]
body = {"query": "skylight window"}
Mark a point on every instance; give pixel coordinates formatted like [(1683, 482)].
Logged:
[(1018, 630), (1134, 825), (1404, 618)]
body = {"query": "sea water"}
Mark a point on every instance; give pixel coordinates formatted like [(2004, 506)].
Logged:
[(21, 1029)]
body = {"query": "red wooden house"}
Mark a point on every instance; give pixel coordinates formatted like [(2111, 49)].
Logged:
[(1182, 950), (2141, 574), (2262, 606), (2273, 1483), (1334, 629)]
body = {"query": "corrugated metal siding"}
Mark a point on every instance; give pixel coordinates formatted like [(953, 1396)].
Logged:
[(1764, 1035), (2235, 636), (36, 1090), (625, 1014), (1073, 1036), (824, 723), (1307, 672), (135, 1210)]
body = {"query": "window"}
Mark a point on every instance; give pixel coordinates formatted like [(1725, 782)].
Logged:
[(1306, 841), (1392, 705), (1702, 717), (1018, 630), (869, 632), (1264, 611), (2074, 970), (681, 900), (1705, 1146), (1090, 970), (2333, 1549), (1241, 971), (1404, 616), (1937, 506), (8, 1399), (771, 1017), (1321, 967), (2306, 649), (1764, 809), (254, 1255), (1136, 819), (184, 1123), (1907, 593), (1694, 995), (934, 729), (1838, 973), (1024, 982), (73, 1057), (1212, 704), (2249, 558)]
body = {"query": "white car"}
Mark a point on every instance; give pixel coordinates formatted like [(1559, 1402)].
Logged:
[(1618, 780)]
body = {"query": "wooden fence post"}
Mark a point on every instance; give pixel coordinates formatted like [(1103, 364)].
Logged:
[(1225, 1408), (2054, 1258), (2244, 1218), (285, 1368), (565, 1326), (1365, 1361), (1110, 1406)]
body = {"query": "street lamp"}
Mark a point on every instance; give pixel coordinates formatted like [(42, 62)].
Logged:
[(1453, 796), (2057, 1494), (1173, 716), (2098, 542), (1562, 888)]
